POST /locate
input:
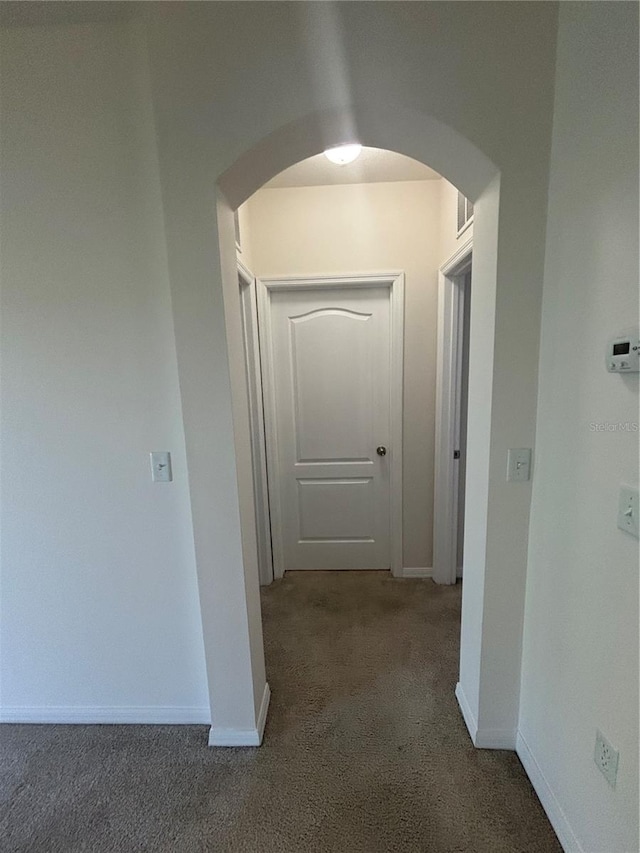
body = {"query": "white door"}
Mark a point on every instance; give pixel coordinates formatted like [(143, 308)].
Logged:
[(329, 425)]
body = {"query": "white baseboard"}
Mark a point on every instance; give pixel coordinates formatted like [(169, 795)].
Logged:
[(467, 713), (264, 710), (420, 572), (221, 736), (496, 739), (550, 804), (499, 739), (105, 715), (483, 738)]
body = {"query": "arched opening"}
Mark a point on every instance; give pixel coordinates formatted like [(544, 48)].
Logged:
[(388, 126), (429, 141)]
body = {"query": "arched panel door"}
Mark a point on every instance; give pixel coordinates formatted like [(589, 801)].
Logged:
[(330, 379)]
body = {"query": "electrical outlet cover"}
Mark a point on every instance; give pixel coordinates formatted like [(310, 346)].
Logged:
[(606, 758)]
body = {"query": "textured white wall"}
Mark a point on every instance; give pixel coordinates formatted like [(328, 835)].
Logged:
[(580, 661), (100, 616), (360, 228)]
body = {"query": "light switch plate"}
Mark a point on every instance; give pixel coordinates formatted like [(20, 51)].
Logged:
[(519, 463), (628, 510), (161, 466)]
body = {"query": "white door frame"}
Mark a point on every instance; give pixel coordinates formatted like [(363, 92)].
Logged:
[(247, 284), (394, 282), (451, 298)]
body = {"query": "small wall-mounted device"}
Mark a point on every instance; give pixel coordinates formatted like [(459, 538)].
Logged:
[(161, 466), (623, 353)]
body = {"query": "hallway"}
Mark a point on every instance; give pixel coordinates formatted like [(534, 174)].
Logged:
[(365, 750)]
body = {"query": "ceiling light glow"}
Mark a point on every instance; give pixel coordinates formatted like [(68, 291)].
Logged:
[(343, 154)]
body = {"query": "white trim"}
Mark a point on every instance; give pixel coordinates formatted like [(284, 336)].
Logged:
[(396, 295), (251, 345), (269, 401), (394, 281), (467, 713), (454, 264), (264, 710), (220, 736), (445, 532), (550, 802), (448, 355), (244, 271), (496, 739), (466, 225), (420, 572), (236, 228), (315, 280), (106, 715), (483, 738)]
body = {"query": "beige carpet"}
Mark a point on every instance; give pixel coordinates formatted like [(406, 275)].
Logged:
[(365, 750)]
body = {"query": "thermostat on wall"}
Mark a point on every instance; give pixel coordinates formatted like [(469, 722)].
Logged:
[(623, 353)]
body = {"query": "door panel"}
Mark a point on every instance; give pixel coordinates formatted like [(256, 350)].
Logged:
[(322, 342), (331, 363), (333, 510)]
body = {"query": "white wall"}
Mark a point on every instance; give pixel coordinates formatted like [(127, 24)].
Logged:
[(580, 660), (228, 80), (357, 228), (99, 603), (100, 616)]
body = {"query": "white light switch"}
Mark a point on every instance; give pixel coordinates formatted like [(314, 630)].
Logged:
[(519, 463), (161, 466), (628, 510)]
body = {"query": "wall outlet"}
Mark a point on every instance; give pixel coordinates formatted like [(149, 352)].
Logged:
[(606, 758)]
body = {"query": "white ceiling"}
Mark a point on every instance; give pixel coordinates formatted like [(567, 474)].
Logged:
[(374, 165)]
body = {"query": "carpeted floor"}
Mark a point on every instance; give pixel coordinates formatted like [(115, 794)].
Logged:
[(365, 750)]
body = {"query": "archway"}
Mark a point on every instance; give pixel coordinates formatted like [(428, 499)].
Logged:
[(230, 604)]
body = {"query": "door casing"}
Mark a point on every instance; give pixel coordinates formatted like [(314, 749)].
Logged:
[(451, 296), (394, 283), (249, 316)]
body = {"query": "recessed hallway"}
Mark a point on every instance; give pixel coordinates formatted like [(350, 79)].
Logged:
[(364, 750)]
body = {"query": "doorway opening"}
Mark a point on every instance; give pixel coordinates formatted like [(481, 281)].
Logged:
[(221, 477), (337, 391)]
